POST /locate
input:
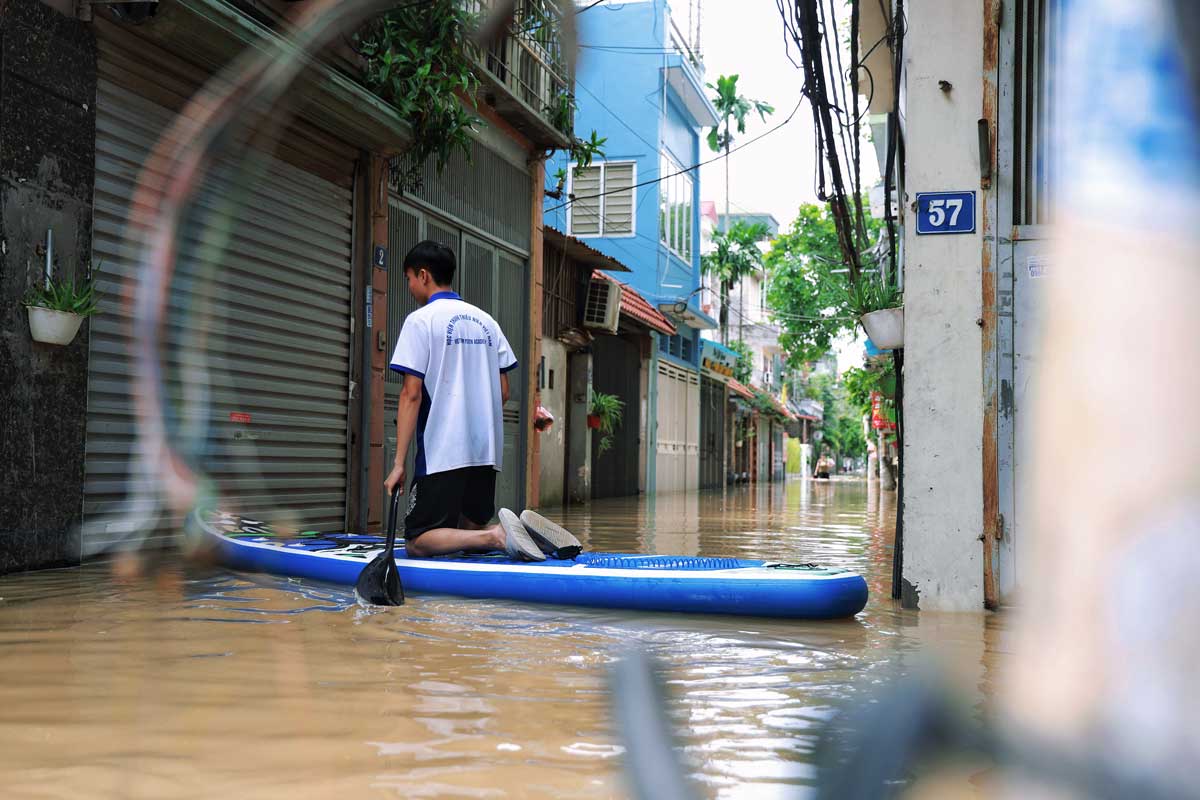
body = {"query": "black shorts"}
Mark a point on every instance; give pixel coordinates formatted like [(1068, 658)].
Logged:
[(441, 499)]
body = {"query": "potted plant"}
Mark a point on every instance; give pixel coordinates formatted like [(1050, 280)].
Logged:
[(607, 409), (57, 309), (881, 312)]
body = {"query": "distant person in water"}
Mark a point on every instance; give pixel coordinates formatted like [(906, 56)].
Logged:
[(455, 361), (824, 466)]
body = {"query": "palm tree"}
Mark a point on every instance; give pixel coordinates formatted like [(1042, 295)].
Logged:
[(736, 256), (733, 109)]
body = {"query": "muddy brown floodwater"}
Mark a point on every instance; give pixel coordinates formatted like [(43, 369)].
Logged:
[(204, 683)]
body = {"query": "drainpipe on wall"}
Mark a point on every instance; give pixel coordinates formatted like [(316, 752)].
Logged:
[(652, 422), (532, 393)]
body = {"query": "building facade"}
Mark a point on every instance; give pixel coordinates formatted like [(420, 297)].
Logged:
[(284, 298), (639, 84), (972, 120)]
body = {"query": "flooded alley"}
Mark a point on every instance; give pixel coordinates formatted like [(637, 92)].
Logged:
[(199, 683)]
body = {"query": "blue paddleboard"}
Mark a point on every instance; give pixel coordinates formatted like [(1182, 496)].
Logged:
[(683, 584)]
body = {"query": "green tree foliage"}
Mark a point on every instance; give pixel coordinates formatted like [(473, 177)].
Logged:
[(745, 361), (841, 428), (732, 109), (419, 59), (735, 256), (813, 304), (878, 375)]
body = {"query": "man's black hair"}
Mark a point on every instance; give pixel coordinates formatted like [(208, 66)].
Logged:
[(434, 257)]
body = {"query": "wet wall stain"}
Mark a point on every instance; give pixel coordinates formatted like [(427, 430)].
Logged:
[(47, 171)]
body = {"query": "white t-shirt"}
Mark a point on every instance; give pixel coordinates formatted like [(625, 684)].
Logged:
[(458, 351)]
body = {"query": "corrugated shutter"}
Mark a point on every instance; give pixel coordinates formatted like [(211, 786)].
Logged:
[(270, 323), (486, 192), (477, 274), (489, 277), (678, 448), (512, 312)]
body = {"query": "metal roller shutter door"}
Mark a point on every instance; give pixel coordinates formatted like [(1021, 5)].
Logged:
[(273, 326)]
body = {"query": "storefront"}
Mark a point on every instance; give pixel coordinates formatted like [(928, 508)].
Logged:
[(717, 364), (257, 364)]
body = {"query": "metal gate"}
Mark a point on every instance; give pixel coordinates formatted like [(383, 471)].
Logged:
[(489, 277), (256, 367), (712, 433), (616, 370), (678, 443), (1027, 52)]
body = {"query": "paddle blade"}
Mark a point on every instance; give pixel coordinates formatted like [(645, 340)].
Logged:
[(379, 582)]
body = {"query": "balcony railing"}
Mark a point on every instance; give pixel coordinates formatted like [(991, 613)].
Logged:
[(530, 67)]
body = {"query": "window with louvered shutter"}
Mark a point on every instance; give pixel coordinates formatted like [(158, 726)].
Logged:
[(618, 199), (585, 210), (603, 203)]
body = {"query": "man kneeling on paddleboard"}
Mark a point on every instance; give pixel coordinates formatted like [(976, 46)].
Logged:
[(455, 361)]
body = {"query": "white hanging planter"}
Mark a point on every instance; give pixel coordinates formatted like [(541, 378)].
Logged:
[(53, 327), (885, 327)]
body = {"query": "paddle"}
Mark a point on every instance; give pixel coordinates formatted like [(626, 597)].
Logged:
[(379, 582)]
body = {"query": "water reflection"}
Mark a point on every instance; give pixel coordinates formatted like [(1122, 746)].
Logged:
[(145, 689)]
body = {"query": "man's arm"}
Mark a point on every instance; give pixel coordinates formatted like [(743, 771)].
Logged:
[(503, 388), (406, 423)]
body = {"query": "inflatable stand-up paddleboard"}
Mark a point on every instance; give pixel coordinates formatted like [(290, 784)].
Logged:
[(683, 584)]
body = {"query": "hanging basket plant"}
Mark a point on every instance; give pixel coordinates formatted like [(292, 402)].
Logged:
[(57, 309), (608, 409), (885, 327)]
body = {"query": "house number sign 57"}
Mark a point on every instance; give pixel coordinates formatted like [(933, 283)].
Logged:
[(945, 212)]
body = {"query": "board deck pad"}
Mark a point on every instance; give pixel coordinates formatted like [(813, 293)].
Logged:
[(703, 584)]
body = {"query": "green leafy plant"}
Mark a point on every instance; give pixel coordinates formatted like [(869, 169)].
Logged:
[(813, 300), (745, 361), (581, 151), (61, 295), (735, 255), (877, 375), (420, 59), (610, 409), (733, 109)]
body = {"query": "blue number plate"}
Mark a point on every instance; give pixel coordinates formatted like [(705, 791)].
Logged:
[(945, 212)]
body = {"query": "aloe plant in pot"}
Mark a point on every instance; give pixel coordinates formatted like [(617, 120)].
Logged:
[(58, 308), (606, 410), (880, 309)]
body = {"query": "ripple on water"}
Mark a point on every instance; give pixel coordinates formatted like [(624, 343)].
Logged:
[(202, 682)]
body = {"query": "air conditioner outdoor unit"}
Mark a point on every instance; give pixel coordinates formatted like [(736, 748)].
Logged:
[(603, 307)]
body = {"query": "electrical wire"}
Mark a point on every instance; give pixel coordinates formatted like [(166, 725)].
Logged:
[(692, 168)]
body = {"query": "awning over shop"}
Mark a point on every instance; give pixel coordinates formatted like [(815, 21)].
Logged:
[(582, 252), (774, 402), (213, 33), (809, 408), (740, 389), (636, 307)]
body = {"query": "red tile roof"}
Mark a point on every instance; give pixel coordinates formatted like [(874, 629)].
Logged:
[(738, 388), (774, 401), (637, 307)]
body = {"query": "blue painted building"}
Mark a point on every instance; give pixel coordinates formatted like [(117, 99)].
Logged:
[(639, 83)]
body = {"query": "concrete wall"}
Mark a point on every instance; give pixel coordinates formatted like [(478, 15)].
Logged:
[(579, 435), (943, 403), (551, 485), (47, 170)]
